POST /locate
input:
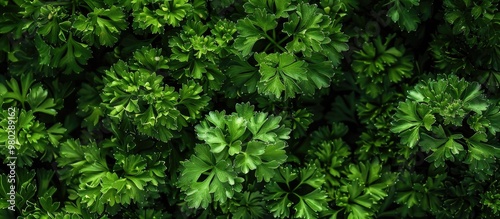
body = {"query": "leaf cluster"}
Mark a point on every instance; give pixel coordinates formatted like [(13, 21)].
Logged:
[(250, 109)]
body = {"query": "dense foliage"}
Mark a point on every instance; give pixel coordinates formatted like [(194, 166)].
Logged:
[(250, 109)]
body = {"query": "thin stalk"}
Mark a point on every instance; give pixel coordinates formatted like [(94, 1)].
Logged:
[(58, 3), (283, 40), (274, 42)]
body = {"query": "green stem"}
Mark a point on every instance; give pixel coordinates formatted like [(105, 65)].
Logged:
[(58, 3), (274, 42), (267, 47), (283, 40)]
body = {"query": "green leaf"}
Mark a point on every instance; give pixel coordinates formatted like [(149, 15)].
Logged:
[(443, 147), (302, 118), (245, 110), (429, 120), (192, 98), (251, 205), (288, 184), (216, 139), (244, 76), (20, 93), (409, 20), (404, 13), (482, 154), (71, 56), (264, 20), (55, 133), (476, 11), (250, 159), (306, 28), (262, 126), (221, 180), (174, 11), (48, 205), (410, 117), (473, 98), (54, 27), (38, 101), (248, 36), (280, 73), (408, 194), (274, 155), (236, 127), (451, 17), (101, 25), (146, 18), (281, 208), (319, 73), (373, 178), (310, 204), (279, 8), (44, 50)]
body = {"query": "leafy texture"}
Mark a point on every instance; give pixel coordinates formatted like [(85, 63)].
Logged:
[(101, 26), (445, 102), (305, 189), (378, 65), (163, 109), (136, 94), (404, 13), (233, 146), (307, 34), (433, 117), (99, 186), (34, 138)]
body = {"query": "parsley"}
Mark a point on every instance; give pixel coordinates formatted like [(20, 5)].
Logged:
[(250, 109)]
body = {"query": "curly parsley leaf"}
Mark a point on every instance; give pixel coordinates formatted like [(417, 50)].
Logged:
[(101, 26), (218, 184)]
